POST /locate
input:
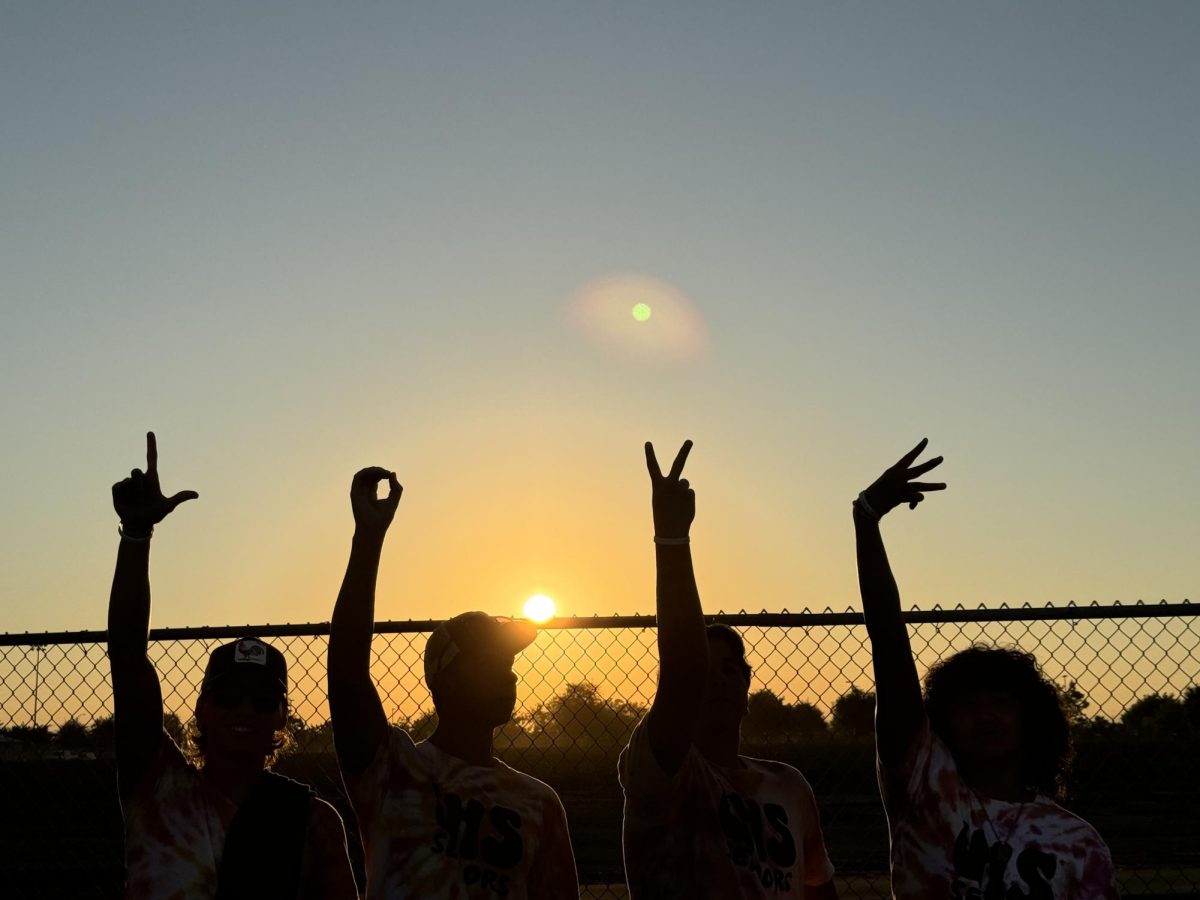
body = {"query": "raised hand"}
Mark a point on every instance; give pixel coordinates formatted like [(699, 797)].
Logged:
[(896, 485), (673, 500), (373, 514), (139, 499)]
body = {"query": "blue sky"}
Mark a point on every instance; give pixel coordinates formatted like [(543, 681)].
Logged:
[(295, 240)]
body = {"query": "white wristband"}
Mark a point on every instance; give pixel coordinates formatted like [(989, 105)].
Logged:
[(672, 541), (866, 507)]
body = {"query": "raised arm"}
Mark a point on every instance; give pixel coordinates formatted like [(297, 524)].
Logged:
[(359, 723), (682, 644), (898, 709), (137, 697)]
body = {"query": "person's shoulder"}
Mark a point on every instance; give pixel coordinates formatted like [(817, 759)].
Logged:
[(398, 743), (324, 817), (523, 781), (397, 735), (534, 785), (324, 813), (780, 772), (1048, 815), (638, 752), (167, 766), (773, 767)]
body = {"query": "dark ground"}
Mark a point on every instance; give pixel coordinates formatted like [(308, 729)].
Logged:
[(60, 834)]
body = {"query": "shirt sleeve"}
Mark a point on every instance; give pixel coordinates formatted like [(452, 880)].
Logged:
[(553, 873), (1098, 880), (327, 872), (167, 758), (366, 788), (818, 868), (904, 785), (648, 788)]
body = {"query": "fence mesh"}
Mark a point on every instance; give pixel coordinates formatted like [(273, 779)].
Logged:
[(1130, 674)]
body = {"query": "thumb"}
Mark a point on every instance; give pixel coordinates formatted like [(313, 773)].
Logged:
[(181, 497)]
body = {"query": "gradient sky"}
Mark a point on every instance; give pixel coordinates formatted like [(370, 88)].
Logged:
[(295, 240)]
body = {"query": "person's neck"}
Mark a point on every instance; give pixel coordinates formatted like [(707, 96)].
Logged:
[(232, 778), (720, 745), (467, 741), (998, 781)]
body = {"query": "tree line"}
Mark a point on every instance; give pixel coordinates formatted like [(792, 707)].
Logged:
[(580, 716)]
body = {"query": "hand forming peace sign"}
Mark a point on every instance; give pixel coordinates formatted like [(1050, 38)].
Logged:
[(673, 500), (139, 499), (895, 486)]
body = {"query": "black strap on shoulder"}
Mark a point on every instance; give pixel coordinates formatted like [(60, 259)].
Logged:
[(264, 846)]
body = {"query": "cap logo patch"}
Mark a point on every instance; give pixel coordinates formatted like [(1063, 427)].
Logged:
[(250, 652)]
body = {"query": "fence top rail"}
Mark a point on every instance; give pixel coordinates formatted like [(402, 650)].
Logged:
[(785, 619)]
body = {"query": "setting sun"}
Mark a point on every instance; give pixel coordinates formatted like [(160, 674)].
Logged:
[(539, 608)]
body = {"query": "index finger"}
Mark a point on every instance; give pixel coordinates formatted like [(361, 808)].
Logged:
[(680, 459), (924, 467), (652, 463), (151, 454), (372, 475), (907, 458)]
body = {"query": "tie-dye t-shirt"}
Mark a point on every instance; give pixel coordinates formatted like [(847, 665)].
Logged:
[(175, 826), (174, 830), (714, 833), (947, 841), (435, 827)]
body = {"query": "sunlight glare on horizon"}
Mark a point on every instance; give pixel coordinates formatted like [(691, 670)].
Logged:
[(539, 608)]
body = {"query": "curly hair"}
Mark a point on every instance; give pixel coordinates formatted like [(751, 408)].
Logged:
[(193, 738), (1046, 748)]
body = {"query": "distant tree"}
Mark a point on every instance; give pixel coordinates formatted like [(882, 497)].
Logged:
[(854, 714), (1157, 716), (770, 720), (1076, 704), (100, 734), (314, 738), (1094, 727), (72, 735), (764, 721), (422, 725), (30, 734), (1191, 708), (512, 734), (580, 718)]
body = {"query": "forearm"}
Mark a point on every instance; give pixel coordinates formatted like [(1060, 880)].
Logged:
[(353, 622), (897, 688), (682, 644), (876, 583), (129, 602)]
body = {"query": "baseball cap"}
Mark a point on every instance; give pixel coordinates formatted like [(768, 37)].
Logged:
[(474, 632), (247, 657)]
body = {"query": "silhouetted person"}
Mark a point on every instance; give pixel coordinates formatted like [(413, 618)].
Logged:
[(701, 821), (227, 827), (442, 819), (967, 773)]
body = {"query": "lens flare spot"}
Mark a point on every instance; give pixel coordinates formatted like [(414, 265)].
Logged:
[(639, 318), (539, 608)]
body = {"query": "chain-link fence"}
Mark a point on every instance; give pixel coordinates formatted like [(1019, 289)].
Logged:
[(1129, 673)]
